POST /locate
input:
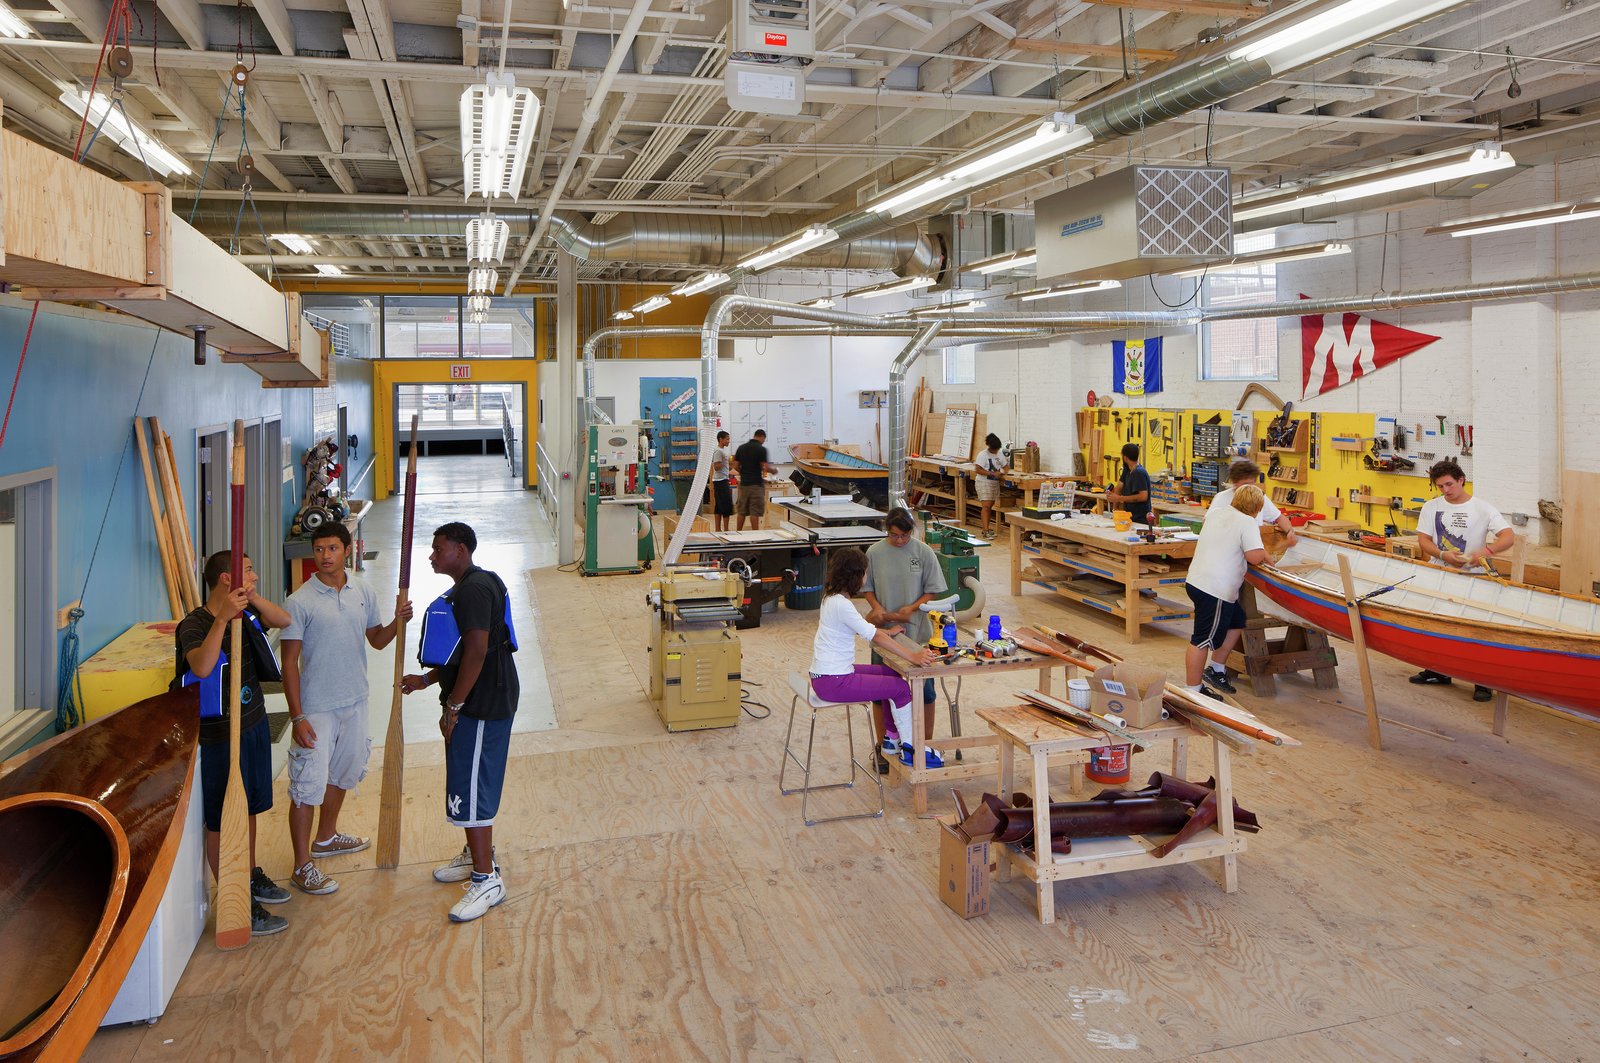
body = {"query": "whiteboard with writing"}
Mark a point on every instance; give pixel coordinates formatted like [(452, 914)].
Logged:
[(786, 421), (958, 426)]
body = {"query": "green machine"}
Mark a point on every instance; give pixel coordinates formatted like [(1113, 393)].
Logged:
[(958, 556), (617, 536)]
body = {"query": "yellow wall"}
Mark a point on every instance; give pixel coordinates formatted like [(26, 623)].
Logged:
[(389, 372), (1337, 470)]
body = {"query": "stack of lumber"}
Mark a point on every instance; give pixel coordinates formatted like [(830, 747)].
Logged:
[(921, 406), (168, 513)]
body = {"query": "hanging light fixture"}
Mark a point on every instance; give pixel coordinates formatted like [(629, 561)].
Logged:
[(12, 25), (1335, 28), (1451, 165), (1078, 288), (703, 283), (328, 270), (1557, 214), (655, 302), (477, 304), (1011, 260), (622, 315), (905, 284), (822, 302), (127, 136), (486, 238), (476, 317), (1268, 257), (814, 237), (481, 280), (964, 306), (498, 121), (294, 242), (1055, 136)]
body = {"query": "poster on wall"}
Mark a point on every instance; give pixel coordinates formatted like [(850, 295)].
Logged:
[(1338, 348), (1136, 366)]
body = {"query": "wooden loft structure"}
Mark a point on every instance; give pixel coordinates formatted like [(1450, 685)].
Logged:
[(69, 234)]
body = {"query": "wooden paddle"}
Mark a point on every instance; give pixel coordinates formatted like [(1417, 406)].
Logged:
[(233, 852), (394, 742), (1359, 636)]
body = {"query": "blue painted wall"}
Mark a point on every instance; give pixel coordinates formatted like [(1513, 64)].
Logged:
[(74, 410)]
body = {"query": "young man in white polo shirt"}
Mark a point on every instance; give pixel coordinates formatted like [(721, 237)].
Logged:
[(1230, 541), (332, 619)]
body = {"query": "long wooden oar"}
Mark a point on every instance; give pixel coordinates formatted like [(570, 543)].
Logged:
[(233, 853), (1359, 636), (394, 742)]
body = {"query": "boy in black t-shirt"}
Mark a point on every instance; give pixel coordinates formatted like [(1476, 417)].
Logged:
[(1133, 491), (478, 690), (201, 640)]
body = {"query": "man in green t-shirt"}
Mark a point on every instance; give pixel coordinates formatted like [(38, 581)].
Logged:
[(902, 574)]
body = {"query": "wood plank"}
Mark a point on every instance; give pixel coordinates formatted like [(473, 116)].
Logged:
[(1580, 546), (1208, 8), (1052, 47)]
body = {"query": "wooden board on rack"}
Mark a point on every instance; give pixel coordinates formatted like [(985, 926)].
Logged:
[(1580, 546)]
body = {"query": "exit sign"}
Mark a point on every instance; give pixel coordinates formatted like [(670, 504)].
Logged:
[(461, 371)]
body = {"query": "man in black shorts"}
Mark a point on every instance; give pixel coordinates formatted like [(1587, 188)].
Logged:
[(751, 457), (201, 642), (721, 486), (478, 692)]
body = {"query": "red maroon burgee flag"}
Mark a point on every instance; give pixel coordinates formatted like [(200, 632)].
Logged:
[(1338, 348)]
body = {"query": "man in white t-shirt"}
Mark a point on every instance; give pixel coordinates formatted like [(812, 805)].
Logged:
[(1230, 541), (1244, 471), (721, 489), (1459, 531)]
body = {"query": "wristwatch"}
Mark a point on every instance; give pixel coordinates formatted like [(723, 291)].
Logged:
[(455, 710)]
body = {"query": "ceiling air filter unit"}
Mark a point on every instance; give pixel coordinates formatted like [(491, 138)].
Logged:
[(1134, 222), (773, 42)]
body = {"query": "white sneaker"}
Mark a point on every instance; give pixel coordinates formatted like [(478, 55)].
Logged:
[(457, 870), (481, 894)]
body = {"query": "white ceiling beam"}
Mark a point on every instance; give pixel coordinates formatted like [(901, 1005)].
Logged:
[(187, 18), (275, 16), (471, 11), (326, 107), (340, 174), (259, 113), (89, 17)]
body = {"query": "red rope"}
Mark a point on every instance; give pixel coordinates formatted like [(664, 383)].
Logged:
[(105, 42), (23, 357)]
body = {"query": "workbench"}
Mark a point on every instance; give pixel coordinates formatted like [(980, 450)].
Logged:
[(772, 554), (953, 481), (1037, 735), (918, 774), (1091, 546)]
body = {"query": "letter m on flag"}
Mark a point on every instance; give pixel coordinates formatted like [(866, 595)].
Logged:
[(1338, 348)]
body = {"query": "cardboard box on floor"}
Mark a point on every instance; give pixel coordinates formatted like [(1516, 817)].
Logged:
[(965, 869), (1130, 691)]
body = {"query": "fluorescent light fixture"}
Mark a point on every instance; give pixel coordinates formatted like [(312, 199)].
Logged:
[(703, 283), (965, 306), (622, 315), (1001, 263), (477, 304), (127, 136), (655, 302), (905, 284), (481, 280), (498, 121), (1049, 139), (813, 237), (329, 270), (1293, 40), (12, 25), (822, 302), (1522, 219), (1330, 93), (477, 317), (294, 242), (1484, 157), (1260, 258), (1401, 68), (1077, 288), (486, 238)]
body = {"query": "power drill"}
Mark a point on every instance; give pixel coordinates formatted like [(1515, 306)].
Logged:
[(939, 621)]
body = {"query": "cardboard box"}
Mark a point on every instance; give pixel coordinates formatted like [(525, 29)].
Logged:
[(1332, 526), (1130, 691), (966, 866)]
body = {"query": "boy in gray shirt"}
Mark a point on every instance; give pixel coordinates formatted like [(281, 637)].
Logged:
[(325, 683), (902, 574)]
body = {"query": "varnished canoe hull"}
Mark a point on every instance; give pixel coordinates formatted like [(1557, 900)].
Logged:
[(870, 479), (1549, 667), (137, 765)]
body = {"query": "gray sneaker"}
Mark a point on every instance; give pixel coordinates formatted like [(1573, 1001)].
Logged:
[(264, 890), (264, 924), (459, 869)]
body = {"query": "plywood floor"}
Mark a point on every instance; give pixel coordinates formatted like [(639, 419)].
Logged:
[(1437, 901)]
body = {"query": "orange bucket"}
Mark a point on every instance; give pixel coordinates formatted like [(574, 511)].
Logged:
[(1121, 519), (1110, 765)]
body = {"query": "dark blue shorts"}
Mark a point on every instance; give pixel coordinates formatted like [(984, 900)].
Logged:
[(1213, 618), (255, 768), (474, 768)]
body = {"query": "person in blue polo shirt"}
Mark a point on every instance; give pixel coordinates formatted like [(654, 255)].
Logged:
[(332, 620), (478, 691)]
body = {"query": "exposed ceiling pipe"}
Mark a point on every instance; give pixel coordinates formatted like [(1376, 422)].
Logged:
[(723, 241), (621, 48), (897, 409)]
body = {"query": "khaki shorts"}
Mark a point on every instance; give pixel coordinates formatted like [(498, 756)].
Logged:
[(752, 502), (988, 489), (339, 758)]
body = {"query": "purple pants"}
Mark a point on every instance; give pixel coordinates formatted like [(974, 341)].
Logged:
[(869, 682)]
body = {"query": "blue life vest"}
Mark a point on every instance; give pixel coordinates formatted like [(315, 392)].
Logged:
[(441, 636), (212, 695)]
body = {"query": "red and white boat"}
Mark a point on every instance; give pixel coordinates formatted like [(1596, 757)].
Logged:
[(1534, 643)]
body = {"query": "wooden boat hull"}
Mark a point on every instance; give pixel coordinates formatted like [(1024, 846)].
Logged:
[(96, 816), (1552, 667), (839, 473)]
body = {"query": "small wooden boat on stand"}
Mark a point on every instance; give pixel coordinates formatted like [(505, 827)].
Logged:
[(1527, 641), (839, 473), (90, 823)]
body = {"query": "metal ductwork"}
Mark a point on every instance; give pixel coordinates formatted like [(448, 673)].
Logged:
[(898, 448), (218, 218), (720, 241)]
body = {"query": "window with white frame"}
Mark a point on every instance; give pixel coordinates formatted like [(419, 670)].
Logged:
[(1241, 350), (27, 607), (960, 365)]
